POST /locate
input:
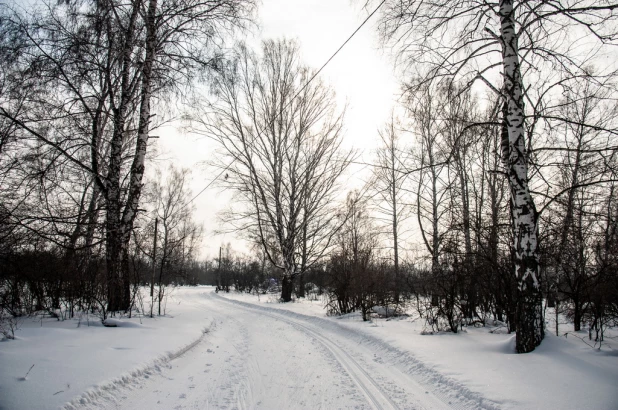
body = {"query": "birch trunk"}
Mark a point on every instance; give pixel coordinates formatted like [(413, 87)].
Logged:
[(114, 231), (137, 168), (529, 315), (138, 165)]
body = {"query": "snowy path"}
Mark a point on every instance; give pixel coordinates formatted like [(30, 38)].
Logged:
[(256, 357), (260, 354)]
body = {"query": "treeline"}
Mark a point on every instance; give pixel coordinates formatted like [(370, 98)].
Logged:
[(47, 276), (461, 209), (444, 182)]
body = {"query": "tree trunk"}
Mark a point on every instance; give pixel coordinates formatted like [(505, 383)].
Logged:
[(303, 262), (287, 286), (114, 237), (301, 285), (113, 259), (138, 166), (577, 315), (393, 198), (529, 316), (127, 300)]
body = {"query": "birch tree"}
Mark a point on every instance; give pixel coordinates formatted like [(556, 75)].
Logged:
[(178, 235), (584, 130), (432, 187), (500, 45), (388, 181)]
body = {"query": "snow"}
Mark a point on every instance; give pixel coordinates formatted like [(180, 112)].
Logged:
[(244, 351), (563, 373), (72, 357)]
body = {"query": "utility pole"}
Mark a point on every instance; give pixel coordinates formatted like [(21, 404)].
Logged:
[(154, 265)]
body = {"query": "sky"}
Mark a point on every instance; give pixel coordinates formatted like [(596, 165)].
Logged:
[(361, 74)]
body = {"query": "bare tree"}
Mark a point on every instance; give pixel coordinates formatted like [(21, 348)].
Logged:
[(353, 278), (178, 235), (604, 297), (280, 134), (492, 226), (432, 183), (388, 181), (584, 130), (501, 44), (443, 171)]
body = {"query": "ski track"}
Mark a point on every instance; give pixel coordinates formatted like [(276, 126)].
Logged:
[(375, 395), (253, 389), (450, 393), (359, 370)]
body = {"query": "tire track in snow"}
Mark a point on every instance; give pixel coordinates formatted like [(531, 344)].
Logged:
[(180, 384), (448, 392)]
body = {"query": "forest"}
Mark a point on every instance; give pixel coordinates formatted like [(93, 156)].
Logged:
[(492, 195)]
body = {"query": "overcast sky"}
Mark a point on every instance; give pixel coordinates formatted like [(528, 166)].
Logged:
[(361, 74)]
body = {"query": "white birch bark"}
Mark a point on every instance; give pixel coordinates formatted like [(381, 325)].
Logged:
[(114, 232), (529, 326), (138, 166)]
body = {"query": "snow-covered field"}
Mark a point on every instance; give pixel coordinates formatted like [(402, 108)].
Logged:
[(240, 351)]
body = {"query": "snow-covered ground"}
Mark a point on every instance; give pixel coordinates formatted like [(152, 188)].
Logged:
[(563, 373), (240, 351)]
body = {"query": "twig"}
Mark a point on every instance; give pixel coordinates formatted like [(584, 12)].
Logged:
[(28, 372), (582, 339)]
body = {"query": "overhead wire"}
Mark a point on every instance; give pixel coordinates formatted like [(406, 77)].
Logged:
[(295, 95)]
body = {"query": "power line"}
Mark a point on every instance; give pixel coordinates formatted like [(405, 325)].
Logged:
[(297, 94), (209, 184), (339, 49)]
